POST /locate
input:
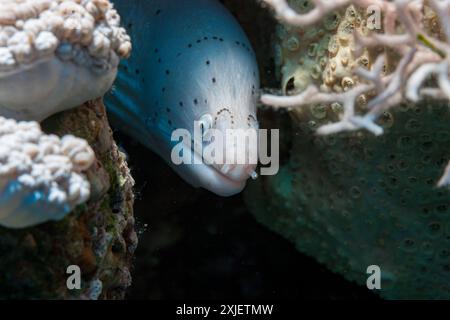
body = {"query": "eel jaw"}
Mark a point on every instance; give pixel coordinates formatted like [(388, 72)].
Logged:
[(211, 178)]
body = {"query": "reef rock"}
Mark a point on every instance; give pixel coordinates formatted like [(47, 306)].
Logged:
[(98, 237), (353, 200)]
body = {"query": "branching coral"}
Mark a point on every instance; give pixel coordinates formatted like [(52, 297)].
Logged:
[(58, 52), (40, 175), (422, 70)]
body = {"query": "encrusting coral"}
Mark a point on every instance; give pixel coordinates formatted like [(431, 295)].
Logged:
[(354, 199), (40, 175), (98, 236), (60, 53)]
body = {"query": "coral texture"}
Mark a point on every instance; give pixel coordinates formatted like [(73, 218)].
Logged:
[(407, 32), (99, 236), (73, 47), (362, 85), (354, 199), (40, 175)]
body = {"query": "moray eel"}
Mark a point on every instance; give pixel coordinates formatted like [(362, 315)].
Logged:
[(191, 61)]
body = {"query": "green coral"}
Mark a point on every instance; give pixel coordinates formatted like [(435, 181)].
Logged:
[(353, 200)]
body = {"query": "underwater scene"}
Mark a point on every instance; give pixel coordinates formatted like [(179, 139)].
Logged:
[(224, 149)]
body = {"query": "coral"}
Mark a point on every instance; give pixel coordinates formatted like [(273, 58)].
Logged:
[(40, 175), (301, 54), (54, 55), (58, 53), (353, 199), (405, 32), (99, 236), (350, 68)]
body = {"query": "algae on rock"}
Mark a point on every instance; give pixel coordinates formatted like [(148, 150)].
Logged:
[(98, 236)]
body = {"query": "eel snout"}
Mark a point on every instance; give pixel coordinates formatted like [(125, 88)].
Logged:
[(238, 145)]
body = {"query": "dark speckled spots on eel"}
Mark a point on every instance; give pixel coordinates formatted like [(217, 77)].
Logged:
[(191, 61)]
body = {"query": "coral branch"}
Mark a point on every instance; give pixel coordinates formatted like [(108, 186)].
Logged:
[(442, 8), (289, 16), (424, 56)]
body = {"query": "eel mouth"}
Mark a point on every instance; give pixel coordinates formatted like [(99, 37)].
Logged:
[(218, 179)]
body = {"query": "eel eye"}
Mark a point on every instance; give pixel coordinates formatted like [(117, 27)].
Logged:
[(206, 121)]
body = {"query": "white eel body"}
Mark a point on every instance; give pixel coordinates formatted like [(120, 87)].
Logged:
[(191, 61)]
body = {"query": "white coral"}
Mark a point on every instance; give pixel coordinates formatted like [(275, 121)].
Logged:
[(424, 55), (60, 53), (41, 176)]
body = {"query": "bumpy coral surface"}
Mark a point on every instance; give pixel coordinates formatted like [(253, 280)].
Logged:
[(353, 199), (98, 236), (298, 69), (325, 54), (57, 54), (40, 175)]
